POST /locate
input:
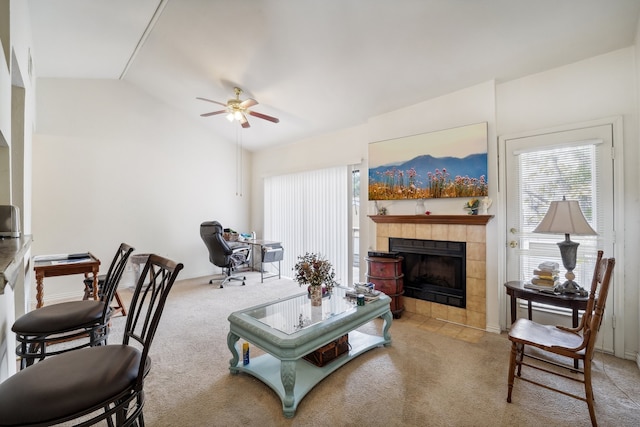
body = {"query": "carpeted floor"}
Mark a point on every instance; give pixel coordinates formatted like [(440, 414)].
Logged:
[(433, 374)]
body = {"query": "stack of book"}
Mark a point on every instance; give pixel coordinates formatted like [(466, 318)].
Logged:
[(545, 276), (368, 292)]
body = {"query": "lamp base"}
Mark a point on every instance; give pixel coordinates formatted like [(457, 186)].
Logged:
[(570, 287)]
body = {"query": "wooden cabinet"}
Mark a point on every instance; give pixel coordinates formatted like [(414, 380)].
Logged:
[(386, 274)]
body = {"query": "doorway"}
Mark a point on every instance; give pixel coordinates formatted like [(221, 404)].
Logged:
[(576, 162)]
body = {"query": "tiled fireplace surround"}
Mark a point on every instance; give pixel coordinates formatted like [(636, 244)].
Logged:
[(455, 228)]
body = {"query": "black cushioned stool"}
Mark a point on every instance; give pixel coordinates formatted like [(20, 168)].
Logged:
[(95, 383), (37, 330)]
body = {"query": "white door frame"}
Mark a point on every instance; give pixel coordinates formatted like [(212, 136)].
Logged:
[(618, 165)]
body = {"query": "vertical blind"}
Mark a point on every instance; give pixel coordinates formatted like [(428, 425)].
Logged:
[(549, 174), (308, 212)]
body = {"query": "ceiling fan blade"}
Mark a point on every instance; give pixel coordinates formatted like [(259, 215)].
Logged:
[(244, 122), (213, 113), (247, 103), (264, 116), (210, 100)]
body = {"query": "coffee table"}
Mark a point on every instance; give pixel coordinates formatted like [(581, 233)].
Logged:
[(290, 328)]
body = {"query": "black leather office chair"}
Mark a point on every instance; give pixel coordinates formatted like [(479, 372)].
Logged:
[(96, 383), (221, 253), (38, 329)]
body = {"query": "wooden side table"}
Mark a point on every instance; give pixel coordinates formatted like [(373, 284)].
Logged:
[(517, 290), (45, 266)]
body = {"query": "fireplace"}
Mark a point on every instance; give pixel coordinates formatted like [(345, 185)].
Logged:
[(434, 270), (470, 229)]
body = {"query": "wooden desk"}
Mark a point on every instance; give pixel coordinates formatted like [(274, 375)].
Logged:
[(517, 290), (45, 266)]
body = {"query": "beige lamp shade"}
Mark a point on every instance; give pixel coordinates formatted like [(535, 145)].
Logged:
[(565, 217)]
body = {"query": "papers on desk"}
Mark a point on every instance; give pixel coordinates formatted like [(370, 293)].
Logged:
[(70, 261), (63, 258)]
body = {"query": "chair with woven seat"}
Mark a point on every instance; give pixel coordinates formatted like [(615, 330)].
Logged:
[(222, 254), (559, 342), (95, 383), (37, 330)]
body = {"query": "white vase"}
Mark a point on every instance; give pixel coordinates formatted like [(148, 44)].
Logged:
[(420, 209), (315, 293)]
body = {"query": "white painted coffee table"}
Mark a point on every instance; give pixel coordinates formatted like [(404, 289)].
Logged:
[(290, 328)]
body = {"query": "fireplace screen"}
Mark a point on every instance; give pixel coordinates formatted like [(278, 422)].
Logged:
[(433, 270)]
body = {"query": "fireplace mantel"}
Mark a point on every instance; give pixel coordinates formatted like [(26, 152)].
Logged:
[(432, 219)]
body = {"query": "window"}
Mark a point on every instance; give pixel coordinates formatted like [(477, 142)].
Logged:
[(355, 223), (309, 212), (547, 175)]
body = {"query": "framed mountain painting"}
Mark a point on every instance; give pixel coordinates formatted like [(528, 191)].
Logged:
[(446, 163)]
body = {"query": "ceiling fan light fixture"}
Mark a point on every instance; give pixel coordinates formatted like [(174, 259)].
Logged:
[(236, 109)]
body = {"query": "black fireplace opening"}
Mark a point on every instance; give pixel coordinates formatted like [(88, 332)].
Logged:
[(434, 270)]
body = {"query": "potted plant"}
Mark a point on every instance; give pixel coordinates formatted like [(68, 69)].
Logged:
[(472, 206), (316, 272)]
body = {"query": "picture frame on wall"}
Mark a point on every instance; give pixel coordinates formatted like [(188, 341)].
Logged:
[(443, 164)]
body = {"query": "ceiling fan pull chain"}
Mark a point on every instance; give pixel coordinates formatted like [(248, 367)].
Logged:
[(238, 161)]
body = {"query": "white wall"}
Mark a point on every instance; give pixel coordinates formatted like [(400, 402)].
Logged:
[(471, 105), (339, 148), (112, 164), (636, 321), (599, 87)]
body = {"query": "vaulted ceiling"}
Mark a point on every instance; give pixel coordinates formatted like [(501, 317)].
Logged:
[(318, 66)]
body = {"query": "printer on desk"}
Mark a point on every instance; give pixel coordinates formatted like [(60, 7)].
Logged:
[(9, 221)]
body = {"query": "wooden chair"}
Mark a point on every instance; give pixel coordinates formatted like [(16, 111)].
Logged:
[(38, 329), (88, 292), (576, 344), (94, 384)]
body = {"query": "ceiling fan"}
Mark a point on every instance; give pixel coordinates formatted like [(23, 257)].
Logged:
[(238, 110)]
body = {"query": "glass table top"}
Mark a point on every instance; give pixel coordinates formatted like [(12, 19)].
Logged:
[(292, 314)]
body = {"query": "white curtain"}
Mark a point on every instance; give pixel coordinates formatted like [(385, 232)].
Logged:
[(309, 212)]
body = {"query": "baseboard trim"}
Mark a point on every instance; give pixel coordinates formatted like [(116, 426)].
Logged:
[(59, 297)]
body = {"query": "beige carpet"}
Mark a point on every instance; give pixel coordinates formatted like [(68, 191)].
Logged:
[(433, 374)]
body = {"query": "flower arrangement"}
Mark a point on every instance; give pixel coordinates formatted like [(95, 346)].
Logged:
[(472, 206), (314, 270)]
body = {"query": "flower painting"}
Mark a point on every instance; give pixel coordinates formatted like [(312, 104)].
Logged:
[(447, 163)]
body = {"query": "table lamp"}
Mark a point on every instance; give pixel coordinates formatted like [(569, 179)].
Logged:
[(566, 217)]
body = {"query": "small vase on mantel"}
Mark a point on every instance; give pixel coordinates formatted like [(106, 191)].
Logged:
[(420, 209), (315, 294)]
